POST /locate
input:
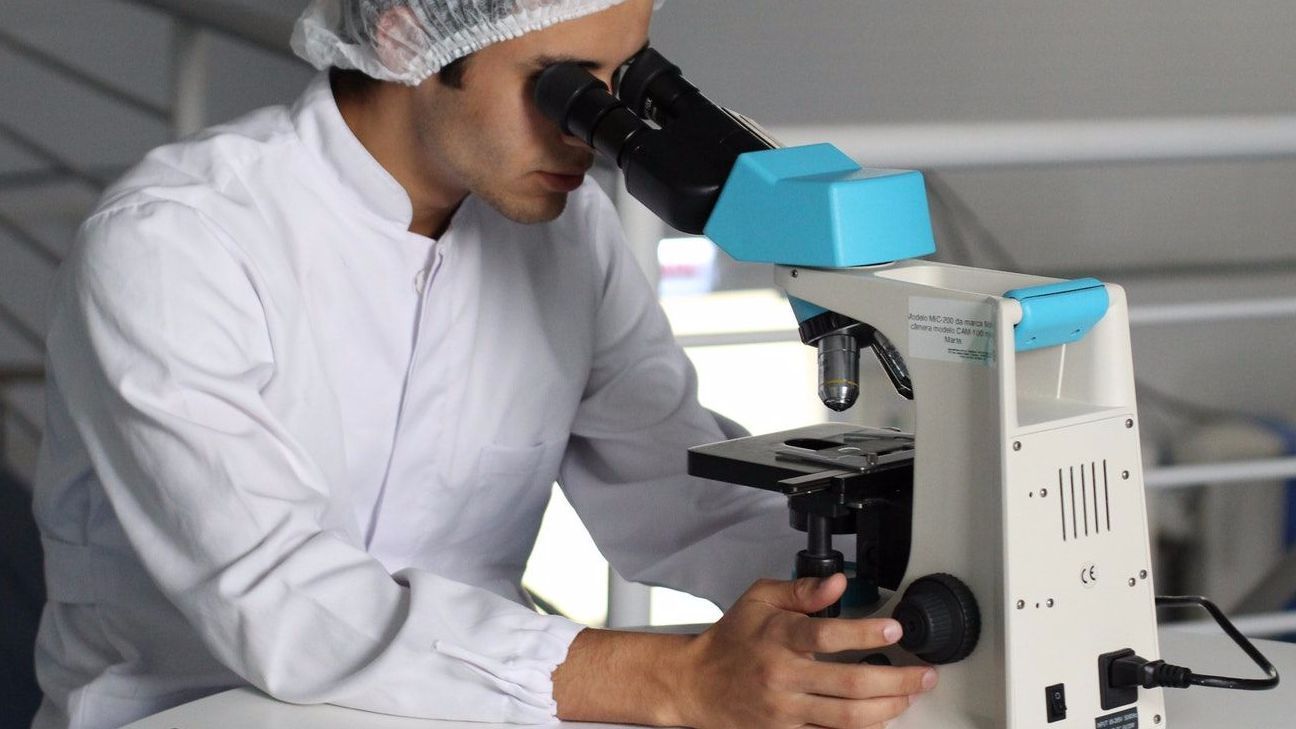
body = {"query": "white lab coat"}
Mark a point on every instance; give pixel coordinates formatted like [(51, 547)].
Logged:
[(293, 445)]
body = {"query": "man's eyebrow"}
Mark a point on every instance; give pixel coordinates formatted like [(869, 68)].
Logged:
[(547, 61)]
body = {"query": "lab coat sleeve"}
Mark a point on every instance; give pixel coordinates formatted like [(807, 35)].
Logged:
[(163, 352), (625, 471)]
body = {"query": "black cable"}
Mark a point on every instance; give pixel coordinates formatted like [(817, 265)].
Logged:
[(1244, 684), (1133, 670)]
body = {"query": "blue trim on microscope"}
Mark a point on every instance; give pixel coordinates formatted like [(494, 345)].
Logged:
[(814, 206), (804, 309), (1058, 313)]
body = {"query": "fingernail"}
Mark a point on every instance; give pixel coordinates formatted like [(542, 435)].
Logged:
[(892, 632), (929, 680)]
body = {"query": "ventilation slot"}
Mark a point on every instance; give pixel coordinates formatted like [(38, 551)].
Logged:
[(1083, 500)]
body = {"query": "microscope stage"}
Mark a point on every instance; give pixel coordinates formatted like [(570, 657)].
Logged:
[(790, 460)]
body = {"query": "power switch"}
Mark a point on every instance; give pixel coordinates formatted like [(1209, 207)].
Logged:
[(1055, 702)]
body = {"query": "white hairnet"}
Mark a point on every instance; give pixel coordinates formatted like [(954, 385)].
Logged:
[(423, 35)]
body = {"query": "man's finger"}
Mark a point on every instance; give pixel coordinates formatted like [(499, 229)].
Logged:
[(832, 635), (849, 713), (806, 595), (858, 681)]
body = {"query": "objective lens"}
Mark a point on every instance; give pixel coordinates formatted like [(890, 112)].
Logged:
[(838, 371)]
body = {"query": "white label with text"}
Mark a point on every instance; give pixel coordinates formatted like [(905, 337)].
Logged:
[(951, 330)]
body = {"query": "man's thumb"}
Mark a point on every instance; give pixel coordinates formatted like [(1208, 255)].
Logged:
[(805, 595)]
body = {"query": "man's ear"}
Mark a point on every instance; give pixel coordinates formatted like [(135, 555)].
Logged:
[(398, 39)]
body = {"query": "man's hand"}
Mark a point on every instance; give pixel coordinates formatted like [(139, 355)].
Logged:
[(756, 666), (754, 669)]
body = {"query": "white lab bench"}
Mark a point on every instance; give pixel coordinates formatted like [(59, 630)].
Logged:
[(1194, 708)]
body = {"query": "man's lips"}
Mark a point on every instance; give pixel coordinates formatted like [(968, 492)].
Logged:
[(562, 181)]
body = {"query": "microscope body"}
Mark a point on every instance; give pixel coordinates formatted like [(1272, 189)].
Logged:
[(1027, 487)]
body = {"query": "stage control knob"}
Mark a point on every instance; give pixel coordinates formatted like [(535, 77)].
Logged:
[(940, 619)]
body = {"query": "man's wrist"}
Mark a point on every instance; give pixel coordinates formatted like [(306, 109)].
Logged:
[(625, 677)]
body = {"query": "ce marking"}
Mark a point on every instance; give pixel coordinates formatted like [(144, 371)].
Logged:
[(1089, 575)]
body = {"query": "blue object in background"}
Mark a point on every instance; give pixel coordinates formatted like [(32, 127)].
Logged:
[(814, 206), (1058, 313), (1287, 432), (22, 593)]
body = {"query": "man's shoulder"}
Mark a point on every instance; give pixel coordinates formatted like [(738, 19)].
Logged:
[(207, 167)]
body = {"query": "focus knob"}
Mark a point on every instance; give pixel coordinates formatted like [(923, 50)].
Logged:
[(940, 619)]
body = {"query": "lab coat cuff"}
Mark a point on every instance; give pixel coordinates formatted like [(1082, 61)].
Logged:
[(524, 680)]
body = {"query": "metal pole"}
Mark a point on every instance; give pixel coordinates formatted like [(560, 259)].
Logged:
[(21, 328), (1076, 142), (57, 163), (1198, 474), (1212, 311), (1258, 625), (33, 178), (67, 70), (629, 603), (29, 241), (723, 339), (267, 31), (188, 79)]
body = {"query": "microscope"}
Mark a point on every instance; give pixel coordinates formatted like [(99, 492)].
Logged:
[(1008, 533)]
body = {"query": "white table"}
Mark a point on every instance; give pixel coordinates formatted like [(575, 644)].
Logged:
[(1194, 708)]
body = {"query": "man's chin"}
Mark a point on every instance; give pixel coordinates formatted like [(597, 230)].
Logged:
[(532, 210)]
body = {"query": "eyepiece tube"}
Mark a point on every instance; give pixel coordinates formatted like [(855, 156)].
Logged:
[(582, 106), (838, 370), (653, 87)]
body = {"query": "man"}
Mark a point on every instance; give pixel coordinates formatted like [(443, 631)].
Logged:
[(313, 373)]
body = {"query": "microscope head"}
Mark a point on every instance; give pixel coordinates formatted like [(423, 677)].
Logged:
[(705, 169)]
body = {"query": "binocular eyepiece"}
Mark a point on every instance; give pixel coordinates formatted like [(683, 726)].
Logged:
[(674, 145), (649, 88)]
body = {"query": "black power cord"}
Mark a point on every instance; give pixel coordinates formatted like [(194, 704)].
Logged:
[(1132, 670)]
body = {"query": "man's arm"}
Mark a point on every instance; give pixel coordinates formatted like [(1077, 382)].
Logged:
[(754, 669), (162, 345)]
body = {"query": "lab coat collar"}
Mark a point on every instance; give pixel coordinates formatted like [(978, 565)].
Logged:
[(322, 129)]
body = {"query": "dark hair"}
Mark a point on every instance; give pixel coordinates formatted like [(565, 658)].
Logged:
[(357, 84), (452, 74)]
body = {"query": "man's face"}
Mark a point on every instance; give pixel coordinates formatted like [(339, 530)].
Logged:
[(489, 139)]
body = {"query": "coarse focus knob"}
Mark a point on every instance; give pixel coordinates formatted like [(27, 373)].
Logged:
[(940, 619)]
